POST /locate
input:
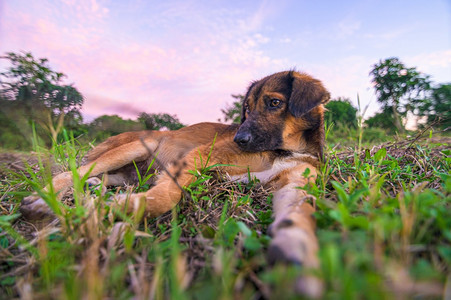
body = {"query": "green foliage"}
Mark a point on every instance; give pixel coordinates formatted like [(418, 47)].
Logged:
[(32, 92), (341, 111), (343, 135), (233, 111), (380, 224), (30, 80), (382, 119), (142, 184), (398, 88), (160, 121), (105, 126), (437, 106), (13, 135)]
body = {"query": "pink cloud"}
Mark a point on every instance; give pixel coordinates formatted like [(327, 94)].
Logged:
[(193, 80), (188, 73)]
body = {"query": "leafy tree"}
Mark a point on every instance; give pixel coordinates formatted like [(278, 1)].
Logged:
[(12, 136), (233, 112), (437, 107), (382, 119), (160, 121), (32, 80), (398, 88), (106, 126), (31, 91), (341, 111)]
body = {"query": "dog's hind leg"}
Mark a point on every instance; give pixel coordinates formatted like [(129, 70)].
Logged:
[(293, 229), (34, 206)]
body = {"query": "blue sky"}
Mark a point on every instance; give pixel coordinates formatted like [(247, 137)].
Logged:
[(188, 57)]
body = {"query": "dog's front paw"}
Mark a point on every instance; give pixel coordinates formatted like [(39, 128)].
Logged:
[(94, 183), (34, 207), (289, 245), (293, 245)]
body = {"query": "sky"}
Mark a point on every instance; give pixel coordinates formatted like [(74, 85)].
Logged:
[(187, 58)]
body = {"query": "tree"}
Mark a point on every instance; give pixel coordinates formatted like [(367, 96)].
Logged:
[(398, 88), (31, 90), (32, 80), (384, 120), (437, 106), (233, 112), (160, 121), (105, 126), (341, 111)]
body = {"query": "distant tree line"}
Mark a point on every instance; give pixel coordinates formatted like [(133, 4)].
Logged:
[(33, 96), (105, 126)]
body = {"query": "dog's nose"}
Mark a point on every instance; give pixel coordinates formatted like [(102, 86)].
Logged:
[(242, 138)]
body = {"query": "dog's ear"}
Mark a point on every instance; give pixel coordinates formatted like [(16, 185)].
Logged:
[(306, 94)]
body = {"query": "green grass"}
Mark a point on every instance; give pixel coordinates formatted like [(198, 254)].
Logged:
[(384, 227)]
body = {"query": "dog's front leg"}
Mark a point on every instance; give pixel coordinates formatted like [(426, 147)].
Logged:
[(293, 229), (34, 207)]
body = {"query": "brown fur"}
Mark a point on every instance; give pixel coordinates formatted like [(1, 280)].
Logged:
[(281, 136)]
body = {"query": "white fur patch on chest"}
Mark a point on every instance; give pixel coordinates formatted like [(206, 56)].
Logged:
[(279, 165)]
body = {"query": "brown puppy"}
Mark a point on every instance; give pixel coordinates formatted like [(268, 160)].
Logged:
[(281, 135)]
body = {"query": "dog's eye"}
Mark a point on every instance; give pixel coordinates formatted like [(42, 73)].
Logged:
[(275, 102)]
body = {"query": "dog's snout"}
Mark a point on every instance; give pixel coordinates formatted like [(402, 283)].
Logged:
[(242, 138)]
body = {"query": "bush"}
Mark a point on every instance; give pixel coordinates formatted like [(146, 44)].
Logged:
[(341, 111), (374, 135), (383, 120), (348, 136)]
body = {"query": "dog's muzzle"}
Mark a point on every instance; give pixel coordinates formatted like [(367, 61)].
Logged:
[(242, 139)]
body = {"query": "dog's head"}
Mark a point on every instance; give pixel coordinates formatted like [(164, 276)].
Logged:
[(283, 111)]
